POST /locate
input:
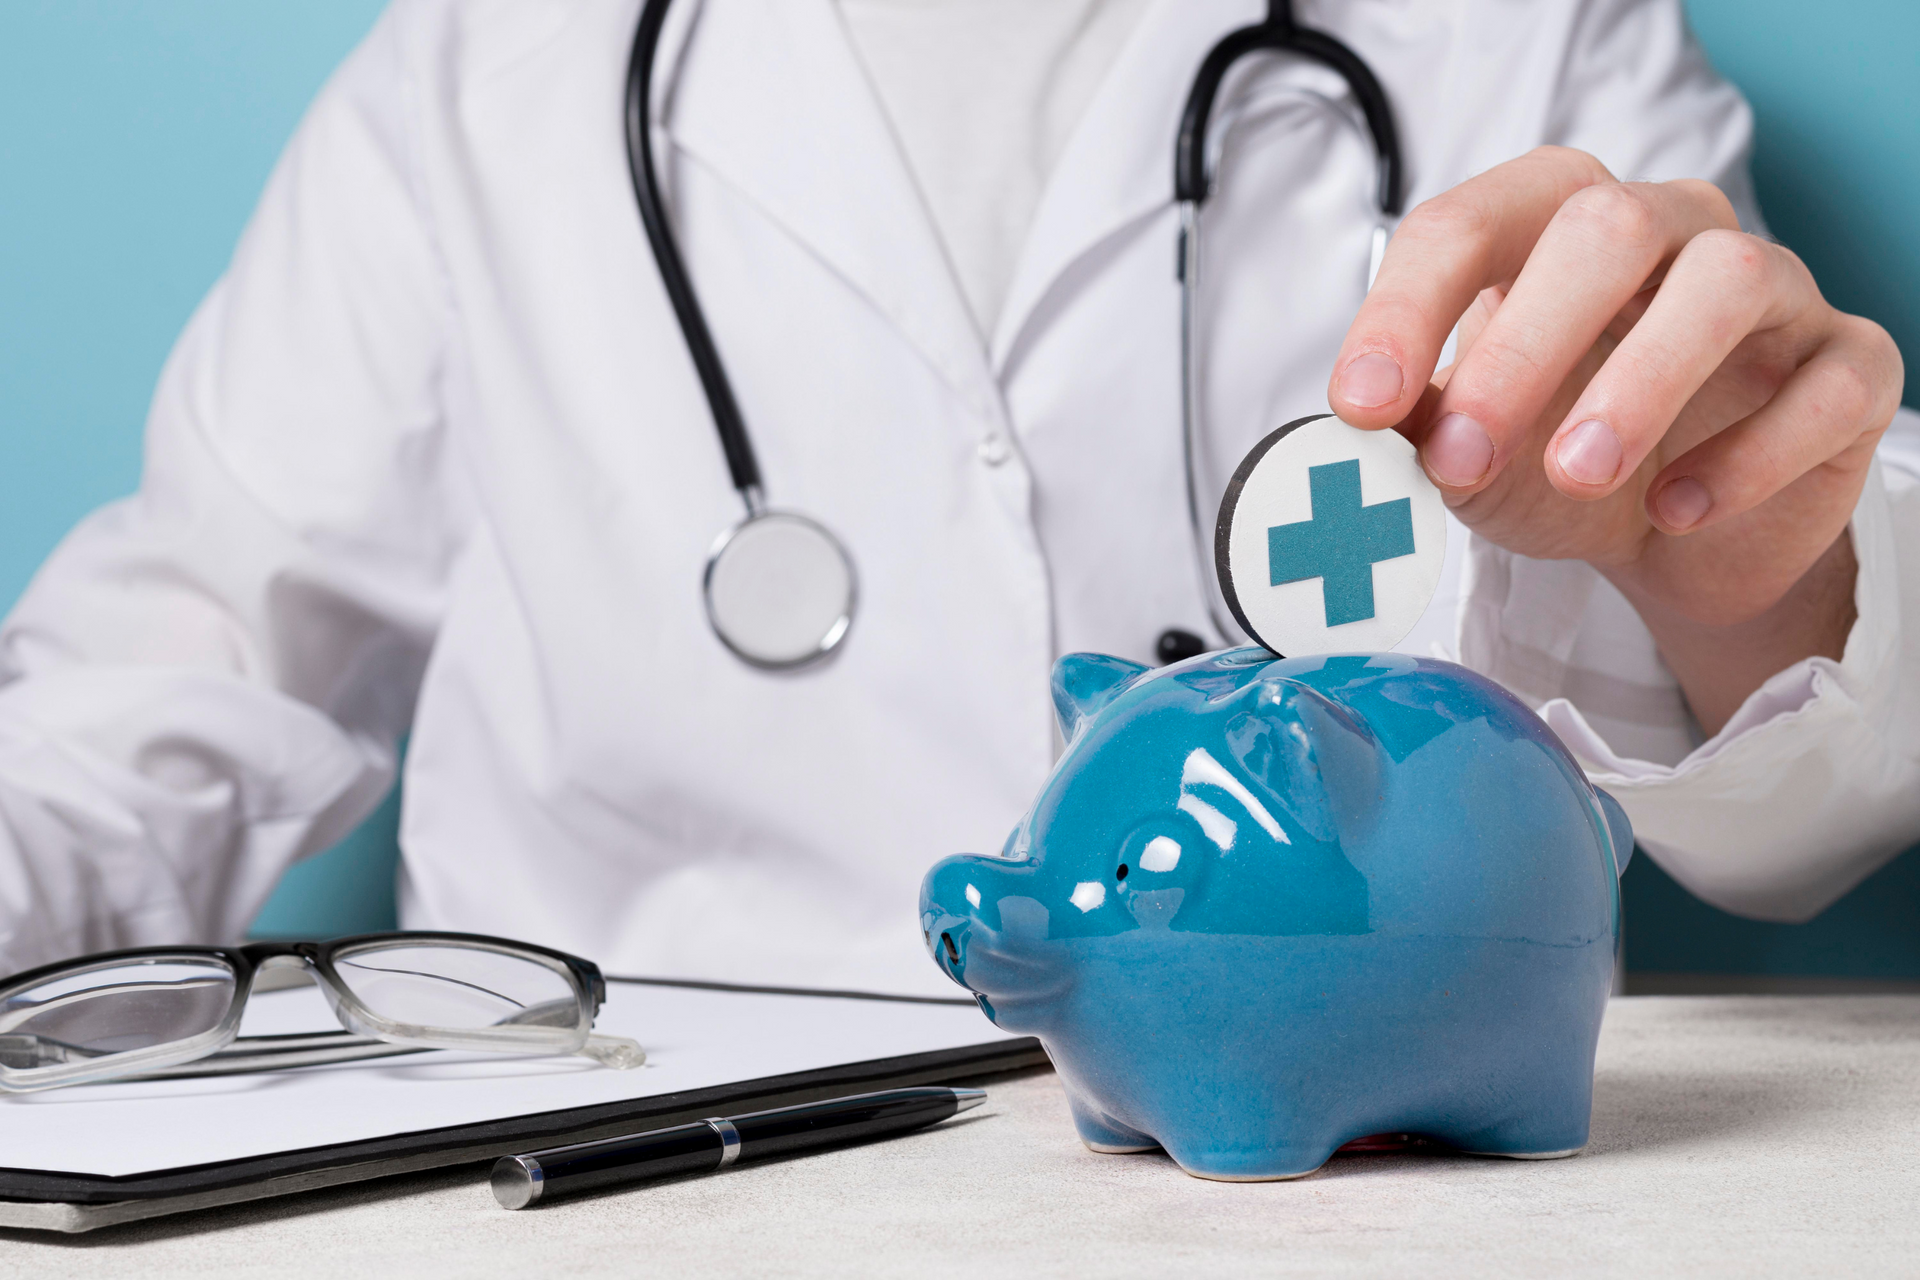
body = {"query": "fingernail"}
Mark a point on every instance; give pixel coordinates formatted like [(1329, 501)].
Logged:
[(1372, 380), (1683, 503), (1459, 451), (1590, 453)]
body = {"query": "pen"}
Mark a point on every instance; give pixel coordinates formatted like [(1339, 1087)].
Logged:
[(709, 1145)]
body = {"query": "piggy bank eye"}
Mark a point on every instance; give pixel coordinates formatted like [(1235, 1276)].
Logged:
[(1167, 851), (1161, 854), (1149, 852)]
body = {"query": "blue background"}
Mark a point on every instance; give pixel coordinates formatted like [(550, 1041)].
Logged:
[(135, 136)]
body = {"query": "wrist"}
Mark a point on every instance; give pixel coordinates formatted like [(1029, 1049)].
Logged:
[(1719, 666)]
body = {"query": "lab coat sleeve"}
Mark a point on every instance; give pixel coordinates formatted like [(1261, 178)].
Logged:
[(1811, 786), (207, 680)]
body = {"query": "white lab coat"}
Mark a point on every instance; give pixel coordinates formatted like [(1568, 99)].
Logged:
[(432, 455)]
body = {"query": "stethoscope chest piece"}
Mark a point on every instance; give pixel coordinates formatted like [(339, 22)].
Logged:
[(780, 590), (1330, 539)]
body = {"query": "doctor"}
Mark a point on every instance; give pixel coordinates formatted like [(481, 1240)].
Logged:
[(432, 457)]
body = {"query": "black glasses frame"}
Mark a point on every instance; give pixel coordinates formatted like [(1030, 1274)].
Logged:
[(222, 1050)]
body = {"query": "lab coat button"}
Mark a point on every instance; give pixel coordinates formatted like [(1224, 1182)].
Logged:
[(994, 450)]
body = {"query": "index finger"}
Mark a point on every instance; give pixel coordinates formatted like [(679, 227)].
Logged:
[(1474, 237)]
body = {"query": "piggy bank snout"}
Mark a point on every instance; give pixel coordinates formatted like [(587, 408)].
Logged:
[(959, 903), (949, 897)]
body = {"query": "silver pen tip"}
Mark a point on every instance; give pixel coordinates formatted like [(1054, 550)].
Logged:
[(967, 1099)]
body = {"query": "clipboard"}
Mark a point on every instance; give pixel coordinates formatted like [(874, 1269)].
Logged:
[(940, 1037)]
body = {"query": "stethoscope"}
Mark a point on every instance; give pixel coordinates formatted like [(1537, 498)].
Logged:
[(779, 587)]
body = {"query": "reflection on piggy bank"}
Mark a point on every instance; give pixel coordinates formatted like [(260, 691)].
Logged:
[(1265, 907)]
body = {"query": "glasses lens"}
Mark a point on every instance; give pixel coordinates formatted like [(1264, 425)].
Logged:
[(117, 1008), (459, 988)]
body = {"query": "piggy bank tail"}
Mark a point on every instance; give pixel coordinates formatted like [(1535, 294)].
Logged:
[(1619, 830)]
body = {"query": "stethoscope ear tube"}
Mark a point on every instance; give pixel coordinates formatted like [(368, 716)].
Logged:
[(1192, 184), (1190, 413)]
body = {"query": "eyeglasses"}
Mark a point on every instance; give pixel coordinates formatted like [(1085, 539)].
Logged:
[(154, 1010)]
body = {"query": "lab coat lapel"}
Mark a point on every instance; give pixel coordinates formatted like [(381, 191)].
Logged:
[(771, 97), (1118, 167)]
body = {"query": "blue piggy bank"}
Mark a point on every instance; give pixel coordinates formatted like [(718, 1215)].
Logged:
[(1265, 907)]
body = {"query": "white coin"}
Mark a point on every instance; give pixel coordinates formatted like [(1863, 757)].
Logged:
[(1330, 539)]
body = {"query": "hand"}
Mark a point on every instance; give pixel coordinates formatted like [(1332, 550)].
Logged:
[(1638, 385)]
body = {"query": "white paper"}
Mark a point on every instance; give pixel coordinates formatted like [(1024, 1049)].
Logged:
[(694, 1040)]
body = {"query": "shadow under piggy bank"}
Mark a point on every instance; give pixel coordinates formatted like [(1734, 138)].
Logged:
[(1264, 907)]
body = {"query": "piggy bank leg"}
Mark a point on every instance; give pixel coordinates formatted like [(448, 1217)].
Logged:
[(1547, 1116), (1550, 1137), (1218, 1162), (1101, 1132)]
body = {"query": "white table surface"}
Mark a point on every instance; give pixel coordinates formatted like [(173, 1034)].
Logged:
[(1735, 1136)]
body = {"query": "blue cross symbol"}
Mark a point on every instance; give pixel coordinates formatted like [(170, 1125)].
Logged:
[(1342, 542)]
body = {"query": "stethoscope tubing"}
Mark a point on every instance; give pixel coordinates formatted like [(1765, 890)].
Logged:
[(743, 465), (736, 444), (1193, 183), (1279, 33)]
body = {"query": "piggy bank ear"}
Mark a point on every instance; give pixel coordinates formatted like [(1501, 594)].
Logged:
[(1085, 682), (1619, 830), (1316, 757)]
